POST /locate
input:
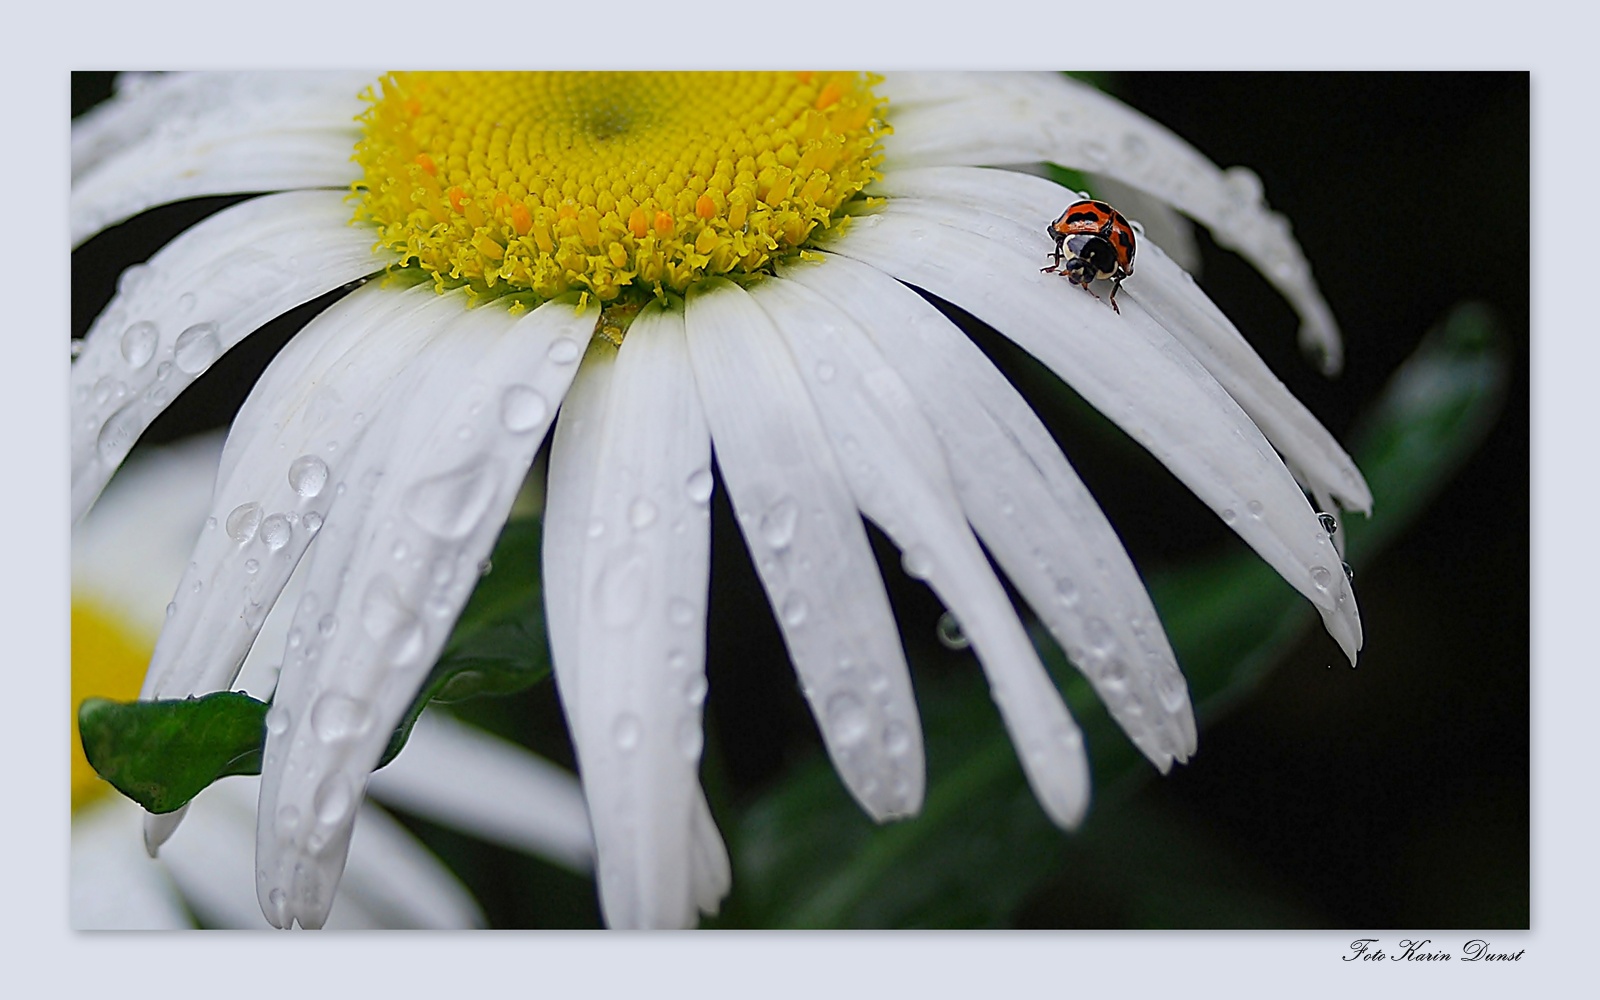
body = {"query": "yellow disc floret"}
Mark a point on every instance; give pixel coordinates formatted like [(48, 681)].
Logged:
[(614, 184)]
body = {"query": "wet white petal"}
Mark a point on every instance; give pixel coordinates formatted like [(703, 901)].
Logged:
[(810, 549), (993, 119), (1031, 510), (1173, 300), (641, 604), (195, 134), (392, 881), (1130, 369), (574, 464), (197, 297), (280, 475), (894, 464), (464, 778), (394, 563)]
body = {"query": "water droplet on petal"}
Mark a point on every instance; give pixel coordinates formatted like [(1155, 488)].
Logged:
[(896, 739), (625, 731), (339, 717), (1330, 524), (308, 474), (250, 566), (139, 343), (242, 523), (451, 504), (641, 514), (288, 822), (327, 625), (186, 302), (778, 523), (694, 689), (118, 433), (621, 587), (390, 622), (795, 610), (333, 800), (847, 720), (698, 486), (1099, 635), (133, 278), (691, 738), (918, 562), (313, 521), (1255, 509), (196, 348), (564, 351), (1321, 577), (277, 720), (522, 409), (1349, 574), (275, 531)]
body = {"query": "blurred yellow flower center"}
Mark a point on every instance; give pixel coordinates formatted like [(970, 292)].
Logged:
[(108, 661), (614, 184)]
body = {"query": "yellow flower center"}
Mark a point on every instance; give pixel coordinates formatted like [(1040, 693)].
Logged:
[(622, 185), (108, 661)]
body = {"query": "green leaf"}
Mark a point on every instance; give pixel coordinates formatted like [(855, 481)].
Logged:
[(161, 754), (807, 857)]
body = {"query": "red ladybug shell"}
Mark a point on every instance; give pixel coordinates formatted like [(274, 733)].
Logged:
[(1098, 218)]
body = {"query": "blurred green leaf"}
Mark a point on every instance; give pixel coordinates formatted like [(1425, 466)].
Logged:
[(161, 754), (806, 856)]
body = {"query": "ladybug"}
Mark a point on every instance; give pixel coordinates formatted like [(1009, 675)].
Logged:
[(1095, 241)]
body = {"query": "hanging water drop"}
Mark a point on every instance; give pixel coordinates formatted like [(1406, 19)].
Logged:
[(1330, 524), (949, 632)]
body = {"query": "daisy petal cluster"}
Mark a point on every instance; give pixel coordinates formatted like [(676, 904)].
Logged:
[(651, 271), (126, 554)]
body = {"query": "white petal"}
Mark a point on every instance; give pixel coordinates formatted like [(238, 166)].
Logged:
[(514, 797), (395, 561), (574, 463), (291, 447), (642, 605), (197, 297), (212, 133), (113, 885), (392, 881), (810, 549), (993, 119), (1177, 304), (1031, 510), (895, 466), (1126, 366)]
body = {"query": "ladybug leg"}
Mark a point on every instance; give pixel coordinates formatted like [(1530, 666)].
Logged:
[(1116, 283), (1056, 257)]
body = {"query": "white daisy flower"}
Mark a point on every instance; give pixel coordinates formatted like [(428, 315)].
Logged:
[(746, 248), (126, 554)]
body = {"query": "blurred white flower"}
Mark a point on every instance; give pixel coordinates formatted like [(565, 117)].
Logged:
[(126, 555), (754, 241)]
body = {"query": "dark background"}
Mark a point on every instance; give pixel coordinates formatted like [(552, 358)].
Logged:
[(1392, 796)]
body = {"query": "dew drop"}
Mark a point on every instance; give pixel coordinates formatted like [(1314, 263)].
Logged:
[(172, 608), (328, 625), (308, 474), (1349, 574), (451, 504), (389, 622), (196, 348), (522, 409), (1321, 577), (340, 717), (694, 689), (118, 433), (276, 899), (1244, 187), (778, 523), (1066, 592), (1099, 635), (275, 531), (621, 587), (949, 632), (313, 521), (288, 822), (795, 610), (1255, 509), (563, 351), (333, 799), (918, 562), (242, 523), (133, 279), (139, 343), (78, 344), (1330, 524), (186, 302), (641, 514), (847, 720), (1095, 153), (250, 566), (277, 720), (698, 486), (625, 731)]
